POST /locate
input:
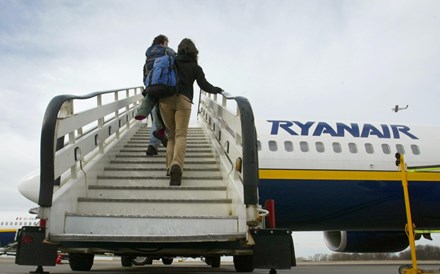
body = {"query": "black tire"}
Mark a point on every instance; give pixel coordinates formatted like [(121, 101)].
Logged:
[(149, 260), (213, 261), (81, 261), (244, 263), (142, 260), (208, 260), (126, 261), (404, 267), (167, 260)]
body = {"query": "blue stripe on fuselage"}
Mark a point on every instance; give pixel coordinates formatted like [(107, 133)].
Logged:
[(6, 237), (306, 205)]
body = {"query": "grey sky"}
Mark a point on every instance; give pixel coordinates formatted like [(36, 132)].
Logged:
[(314, 60)]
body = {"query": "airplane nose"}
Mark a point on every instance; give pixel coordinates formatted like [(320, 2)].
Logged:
[(29, 186)]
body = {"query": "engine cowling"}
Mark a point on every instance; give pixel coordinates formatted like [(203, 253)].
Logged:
[(366, 241)]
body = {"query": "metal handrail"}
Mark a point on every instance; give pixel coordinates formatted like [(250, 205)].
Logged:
[(250, 148), (50, 144)]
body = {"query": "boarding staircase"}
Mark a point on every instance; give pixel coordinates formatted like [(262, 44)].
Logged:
[(132, 199), (100, 193)]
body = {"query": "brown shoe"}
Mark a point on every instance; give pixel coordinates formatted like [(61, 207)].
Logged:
[(176, 175)]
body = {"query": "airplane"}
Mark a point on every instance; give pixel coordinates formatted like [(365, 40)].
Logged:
[(10, 222), (396, 108), (341, 178)]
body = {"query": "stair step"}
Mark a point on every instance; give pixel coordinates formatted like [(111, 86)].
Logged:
[(189, 138), (157, 192), (159, 172), (161, 165), (160, 149), (92, 224), (156, 207), (163, 177), (190, 148), (157, 160), (189, 143), (143, 155), (157, 182), (191, 130), (187, 169)]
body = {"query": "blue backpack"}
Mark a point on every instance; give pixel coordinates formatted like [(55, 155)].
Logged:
[(162, 80)]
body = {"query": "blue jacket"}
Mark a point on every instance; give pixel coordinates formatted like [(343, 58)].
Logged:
[(152, 53)]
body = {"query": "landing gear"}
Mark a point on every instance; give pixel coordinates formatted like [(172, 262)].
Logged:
[(81, 261)]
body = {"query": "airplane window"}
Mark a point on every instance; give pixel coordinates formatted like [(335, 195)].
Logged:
[(415, 149), (259, 145), (369, 148), (1, 223), (273, 146), (319, 146), (400, 149), (304, 146), (15, 223), (386, 149), (288, 146), (352, 147), (337, 147)]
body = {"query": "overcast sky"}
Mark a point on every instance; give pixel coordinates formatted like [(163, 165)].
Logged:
[(313, 60)]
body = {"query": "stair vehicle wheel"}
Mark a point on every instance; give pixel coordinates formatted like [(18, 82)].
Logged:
[(126, 261), (140, 260), (81, 261), (167, 260), (244, 263), (213, 261)]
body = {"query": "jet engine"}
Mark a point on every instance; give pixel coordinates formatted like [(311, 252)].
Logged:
[(366, 241)]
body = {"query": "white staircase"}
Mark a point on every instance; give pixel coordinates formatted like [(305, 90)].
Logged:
[(132, 198), (100, 193)]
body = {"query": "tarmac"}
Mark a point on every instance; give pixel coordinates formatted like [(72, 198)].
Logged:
[(112, 265)]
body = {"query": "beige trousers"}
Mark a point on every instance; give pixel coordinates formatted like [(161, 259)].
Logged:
[(176, 111)]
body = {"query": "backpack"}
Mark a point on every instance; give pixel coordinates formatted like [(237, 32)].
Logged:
[(162, 79), (151, 54)]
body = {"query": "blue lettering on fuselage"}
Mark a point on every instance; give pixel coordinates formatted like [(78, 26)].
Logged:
[(340, 130)]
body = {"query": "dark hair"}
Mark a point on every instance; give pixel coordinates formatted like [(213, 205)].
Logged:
[(187, 47), (160, 39)]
